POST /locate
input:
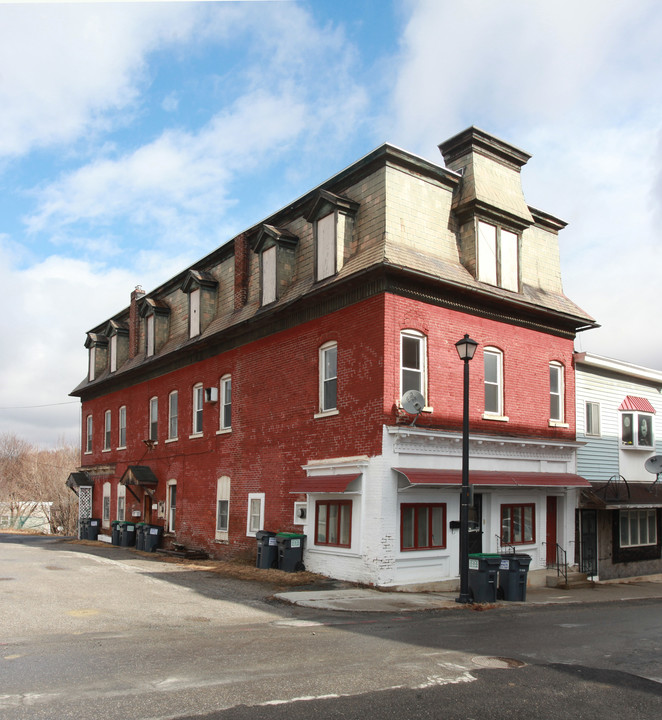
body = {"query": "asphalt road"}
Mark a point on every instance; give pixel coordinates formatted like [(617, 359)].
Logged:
[(110, 634)]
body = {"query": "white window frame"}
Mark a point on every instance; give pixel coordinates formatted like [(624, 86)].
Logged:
[(173, 416), (92, 363), (150, 342), (113, 353), (121, 427), (120, 510), (325, 246), (325, 378), (559, 395), (493, 352), (225, 406), (422, 370), (88, 437), (153, 430), (651, 521), (223, 496), (269, 274), (107, 430), (194, 312), (197, 419), (105, 506), (253, 498), (498, 254), (592, 424), (636, 418), (171, 508)]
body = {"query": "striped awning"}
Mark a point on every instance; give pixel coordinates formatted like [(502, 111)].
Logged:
[(637, 404), (486, 478)]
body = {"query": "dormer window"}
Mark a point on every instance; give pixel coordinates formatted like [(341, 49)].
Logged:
[(157, 315), (276, 248), (97, 344), (117, 333), (498, 256), (201, 288), (333, 222)]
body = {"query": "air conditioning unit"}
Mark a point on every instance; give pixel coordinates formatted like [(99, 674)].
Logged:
[(211, 394)]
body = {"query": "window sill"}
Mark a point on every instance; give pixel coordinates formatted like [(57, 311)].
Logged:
[(196, 435), (558, 424), (122, 447), (498, 418), (171, 440), (646, 448), (107, 450), (326, 413), (87, 452), (224, 431), (221, 541)]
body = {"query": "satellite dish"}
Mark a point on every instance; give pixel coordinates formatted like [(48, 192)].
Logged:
[(653, 464), (413, 402)]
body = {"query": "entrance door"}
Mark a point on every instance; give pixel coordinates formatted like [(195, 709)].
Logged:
[(147, 508), (551, 531), (476, 525), (588, 546)]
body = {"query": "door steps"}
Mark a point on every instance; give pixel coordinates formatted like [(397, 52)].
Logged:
[(575, 580)]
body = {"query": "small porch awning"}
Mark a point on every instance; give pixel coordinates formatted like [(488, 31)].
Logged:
[(76, 479), (638, 404), (411, 477), (329, 484), (139, 475), (621, 496)]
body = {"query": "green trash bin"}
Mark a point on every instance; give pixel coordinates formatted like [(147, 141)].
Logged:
[(115, 535), (267, 550), (152, 537), (483, 577), (290, 551), (93, 527), (513, 576), (127, 534)]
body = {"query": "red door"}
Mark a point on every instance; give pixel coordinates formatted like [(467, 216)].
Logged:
[(551, 530)]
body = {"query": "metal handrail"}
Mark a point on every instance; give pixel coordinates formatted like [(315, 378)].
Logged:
[(561, 562), (501, 544)]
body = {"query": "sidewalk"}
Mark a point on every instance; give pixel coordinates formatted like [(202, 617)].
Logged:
[(367, 600)]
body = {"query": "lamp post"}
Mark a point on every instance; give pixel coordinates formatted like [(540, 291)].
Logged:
[(465, 349)]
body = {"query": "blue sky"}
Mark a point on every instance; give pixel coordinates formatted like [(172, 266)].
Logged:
[(135, 138)]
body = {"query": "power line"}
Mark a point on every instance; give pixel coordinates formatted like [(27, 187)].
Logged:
[(30, 407)]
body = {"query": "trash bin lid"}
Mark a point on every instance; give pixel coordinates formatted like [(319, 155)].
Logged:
[(290, 535)]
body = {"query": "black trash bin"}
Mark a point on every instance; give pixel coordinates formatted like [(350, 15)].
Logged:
[(290, 551), (513, 576), (93, 527), (82, 528), (127, 534), (116, 533), (152, 537), (483, 577), (267, 550), (140, 535)]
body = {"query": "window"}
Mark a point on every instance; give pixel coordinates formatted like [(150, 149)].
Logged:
[(326, 246), (593, 418), (222, 508), (226, 403), (333, 522), (93, 363), (269, 286), (518, 524), (113, 353), (328, 369), (493, 366), (498, 256), (173, 399), (88, 438), (556, 384), (255, 520), (194, 312), (637, 429), (638, 527), (422, 526), (149, 335), (154, 419), (105, 510), (171, 510), (412, 362), (122, 426), (121, 502), (107, 430), (197, 409)]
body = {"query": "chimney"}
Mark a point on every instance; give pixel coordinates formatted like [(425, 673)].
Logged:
[(134, 321), (240, 271)]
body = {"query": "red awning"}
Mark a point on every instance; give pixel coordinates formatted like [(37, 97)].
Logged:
[(327, 484), (637, 404), (485, 478)]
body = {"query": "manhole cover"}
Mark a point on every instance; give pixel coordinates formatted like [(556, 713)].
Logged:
[(497, 662)]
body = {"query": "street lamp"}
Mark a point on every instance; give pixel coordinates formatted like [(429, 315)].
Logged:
[(465, 349)]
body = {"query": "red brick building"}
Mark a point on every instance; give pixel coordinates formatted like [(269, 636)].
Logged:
[(261, 388)]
